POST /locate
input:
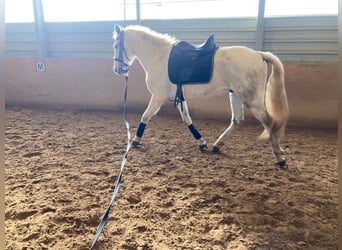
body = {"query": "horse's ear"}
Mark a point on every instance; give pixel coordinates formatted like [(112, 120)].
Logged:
[(118, 28)]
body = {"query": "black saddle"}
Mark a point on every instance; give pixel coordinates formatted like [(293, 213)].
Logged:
[(191, 64)]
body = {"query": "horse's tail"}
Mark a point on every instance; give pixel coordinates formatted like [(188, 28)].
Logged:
[(275, 97)]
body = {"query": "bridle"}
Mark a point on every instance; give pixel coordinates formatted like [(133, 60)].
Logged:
[(123, 67)]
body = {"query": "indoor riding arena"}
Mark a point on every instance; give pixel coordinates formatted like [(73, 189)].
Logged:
[(66, 133)]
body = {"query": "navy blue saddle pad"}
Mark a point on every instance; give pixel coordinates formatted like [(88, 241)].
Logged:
[(192, 64)]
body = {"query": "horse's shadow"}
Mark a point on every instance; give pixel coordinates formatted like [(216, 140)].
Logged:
[(208, 152)]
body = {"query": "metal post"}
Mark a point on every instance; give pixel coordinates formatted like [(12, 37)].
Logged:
[(260, 26), (40, 28), (2, 115), (137, 5), (124, 3)]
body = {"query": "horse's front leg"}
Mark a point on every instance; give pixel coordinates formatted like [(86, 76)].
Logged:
[(184, 112), (151, 110)]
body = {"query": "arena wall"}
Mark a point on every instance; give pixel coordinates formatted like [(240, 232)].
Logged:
[(69, 64), (90, 84)]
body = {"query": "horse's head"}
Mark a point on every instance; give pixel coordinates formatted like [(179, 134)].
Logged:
[(121, 60)]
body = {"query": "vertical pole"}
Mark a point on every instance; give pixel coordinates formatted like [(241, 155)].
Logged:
[(2, 123), (40, 30), (137, 5), (124, 3), (340, 118), (260, 26)]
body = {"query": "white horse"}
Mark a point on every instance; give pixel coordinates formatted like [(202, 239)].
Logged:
[(239, 71)]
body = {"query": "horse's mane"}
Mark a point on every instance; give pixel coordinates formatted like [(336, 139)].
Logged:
[(165, 37)]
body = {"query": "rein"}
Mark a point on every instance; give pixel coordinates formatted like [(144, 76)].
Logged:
[(119, 179)]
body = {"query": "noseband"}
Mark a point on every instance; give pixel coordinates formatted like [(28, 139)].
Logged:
[(123, 67)]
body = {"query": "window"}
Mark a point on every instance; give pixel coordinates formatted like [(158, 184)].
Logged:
[(177, 9), (111, 10), (88, 10), (19, 11), (301, 7)]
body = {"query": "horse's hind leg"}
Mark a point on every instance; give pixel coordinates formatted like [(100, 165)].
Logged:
[(152, 109), (277, 150), (236, 107), (184, 112), (261, 115)]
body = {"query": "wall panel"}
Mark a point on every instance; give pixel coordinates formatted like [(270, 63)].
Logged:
[(20, 40), (293, 39)]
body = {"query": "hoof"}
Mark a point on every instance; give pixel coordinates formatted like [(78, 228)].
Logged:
[(136, 144), (203, 147), (215, 150), (282, 164)]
